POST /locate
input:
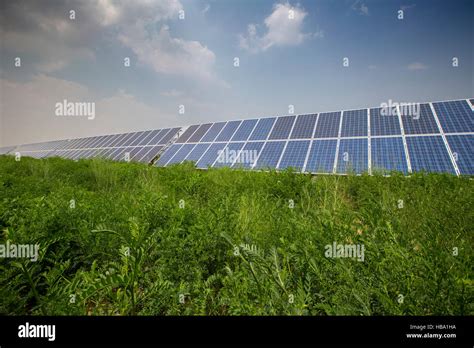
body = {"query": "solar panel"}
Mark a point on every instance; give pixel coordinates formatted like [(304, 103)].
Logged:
[(199, 133), (354, 123), (353, 156), (213, 132), (282, 127), (168, 154), (422, 122), (149, 137), (383, 124), (304, 127), (388, 154), (187, 134), (244, 131), (168, 136), (270, 155), (181, 154), (262, 129), (249, 155), (157, 138), (229, 155), (462, 147), (455, 116), (210, 156), (328, 125), (321, 156), (305, 142), (151, 154), (139, 138), (428, 153), (197, 152), (294, 155), (228, 131)]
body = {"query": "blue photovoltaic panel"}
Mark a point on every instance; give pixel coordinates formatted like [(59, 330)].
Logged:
[(139, 155), (168, 136), (262, 129), (282, 127), (421, 123), (354, 123), (149, 137), (353, 156), (210, 156), (462, 147), (388, 154), (157, 137), (133, 139), (123, 140), (199, 133), (148, 157), (138, 139), (187, 134), (228, 131), (249, 155), (429, 153), (181, 154), (321, 156), (270, 155), (328, 125), (384, 124), (244, 130), (304, 127), (294, 155), (229, 155), (213, 132), (166, 156), (455, 116), (134, 151), (197, 152)]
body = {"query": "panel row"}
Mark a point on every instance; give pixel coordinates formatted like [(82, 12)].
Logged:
[(143, 138), (425, 153), (144, 154), (454, 117)]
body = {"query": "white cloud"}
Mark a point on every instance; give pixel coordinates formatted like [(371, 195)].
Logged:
[(360, 8), (168, 55), (417, 66), (56, 41), (283, 27)]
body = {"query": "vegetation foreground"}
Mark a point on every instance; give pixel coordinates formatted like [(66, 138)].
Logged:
[(130, 239)]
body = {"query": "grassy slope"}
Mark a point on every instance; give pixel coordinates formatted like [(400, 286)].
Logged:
[(236, 247)]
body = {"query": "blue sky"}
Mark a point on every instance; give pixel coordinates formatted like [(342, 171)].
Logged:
[(283, 61)]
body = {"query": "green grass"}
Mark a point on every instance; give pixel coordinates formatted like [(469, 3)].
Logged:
[(236, 247)]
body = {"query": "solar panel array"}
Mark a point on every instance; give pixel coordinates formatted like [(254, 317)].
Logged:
[(141, 146), (433, 137)]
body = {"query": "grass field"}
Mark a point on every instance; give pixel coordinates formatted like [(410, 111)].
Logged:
[(129, 239)]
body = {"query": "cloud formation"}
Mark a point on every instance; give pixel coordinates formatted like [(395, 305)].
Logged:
[(283, 27), (45, 31), (361, 8)]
